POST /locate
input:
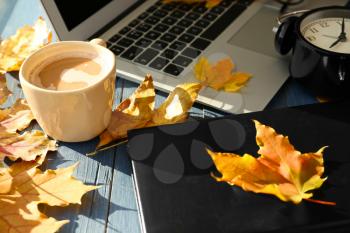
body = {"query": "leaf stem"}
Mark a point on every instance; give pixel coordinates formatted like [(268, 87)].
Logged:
[(321, 202), (106, 148)]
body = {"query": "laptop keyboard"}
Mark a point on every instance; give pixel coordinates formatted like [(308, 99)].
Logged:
[(168, 37)]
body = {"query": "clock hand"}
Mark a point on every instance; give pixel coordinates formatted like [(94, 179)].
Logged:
[(342, 36)]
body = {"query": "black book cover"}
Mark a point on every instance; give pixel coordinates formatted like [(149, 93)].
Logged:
[(176, 193)]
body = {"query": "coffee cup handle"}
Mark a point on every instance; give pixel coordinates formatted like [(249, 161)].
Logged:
[(98, 41)]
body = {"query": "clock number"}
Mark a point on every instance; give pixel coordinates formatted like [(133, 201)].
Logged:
[(311, 38), (324, 24), (313, 30)]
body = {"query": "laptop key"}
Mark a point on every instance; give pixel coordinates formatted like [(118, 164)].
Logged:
[(143, 27), (117, 49), (114, 38), (125, 42), (177, 45), (169, 53), (226, 3), (217, 10), (152, 35), (202, 23), (245, 2), (134, 34), (200, 44), (200, 9), (143, 42), (194, 30), (169, 21), (134, 23), (223, 22), (159, 63), (209, 17), (168, 37), (161, 27), (152, 20), (173, 69), (125, 30), (131, 53), (182, 61), (187, 38), (146, 56), (169, 7), (151, 9), (108, 44), (160, 45), (143, 16), (185, 23), (193, 16), (177, 14), (160, 13), (177, 30), (190, 52), (185, 7)]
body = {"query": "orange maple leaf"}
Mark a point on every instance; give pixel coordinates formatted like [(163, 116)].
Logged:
[(23, 187), (209, 3), (280, 170), (138, 110), (221, 75), (4, 92)]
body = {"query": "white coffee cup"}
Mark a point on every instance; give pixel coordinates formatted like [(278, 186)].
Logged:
[(71, 115)]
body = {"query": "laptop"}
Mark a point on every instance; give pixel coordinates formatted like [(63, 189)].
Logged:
[(166, 40)]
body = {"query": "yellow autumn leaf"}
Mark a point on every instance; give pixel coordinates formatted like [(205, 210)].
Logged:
[(18, 47), (4, 92), (138, 110), (134, 112), (208, 3), (30, 187), (27, 146), (280, 170), (221, 75), (175, 108), (17, 117)]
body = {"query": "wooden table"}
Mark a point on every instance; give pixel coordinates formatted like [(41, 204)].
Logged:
[(111, 208)]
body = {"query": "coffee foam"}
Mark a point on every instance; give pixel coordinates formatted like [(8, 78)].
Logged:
[(35, 79)]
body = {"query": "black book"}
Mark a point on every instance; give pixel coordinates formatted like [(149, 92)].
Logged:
[(176, 192)]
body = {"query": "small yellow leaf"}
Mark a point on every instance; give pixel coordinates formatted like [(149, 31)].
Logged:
[(280, 170), (221, 75), (4, 92), (175, 108), (18, 47), (18, 117), (26, 146)]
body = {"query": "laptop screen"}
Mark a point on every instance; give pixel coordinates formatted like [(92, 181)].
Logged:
[(80, 9)]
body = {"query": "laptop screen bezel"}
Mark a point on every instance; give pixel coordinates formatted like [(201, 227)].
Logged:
[(89, 26)]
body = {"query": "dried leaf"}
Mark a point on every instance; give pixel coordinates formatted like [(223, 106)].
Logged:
[(175, 108), (19, 207), (280, 170), (26, 146), (4, 92), (138, 110), (209, 3), (133, 112), (18, 47), (18, 117), (220, 75)]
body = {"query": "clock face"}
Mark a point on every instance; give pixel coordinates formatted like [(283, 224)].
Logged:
[(326, 33)]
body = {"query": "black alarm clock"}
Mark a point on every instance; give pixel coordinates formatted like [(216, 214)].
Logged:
[(320, 44)]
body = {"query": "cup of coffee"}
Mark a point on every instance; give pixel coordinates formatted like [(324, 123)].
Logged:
[(69, 87)]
